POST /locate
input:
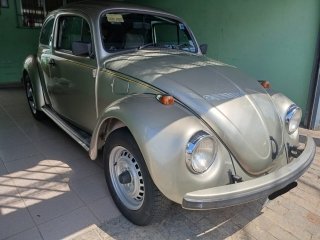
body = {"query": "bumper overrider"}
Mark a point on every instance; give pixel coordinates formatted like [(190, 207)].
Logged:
[(243, 192)]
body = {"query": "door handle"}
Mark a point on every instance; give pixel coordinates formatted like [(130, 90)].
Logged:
[(52, 62)]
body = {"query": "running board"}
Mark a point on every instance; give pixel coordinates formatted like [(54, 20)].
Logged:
[(68, 128)]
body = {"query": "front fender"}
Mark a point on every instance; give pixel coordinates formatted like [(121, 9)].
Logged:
[(30, 67), (162, 133)]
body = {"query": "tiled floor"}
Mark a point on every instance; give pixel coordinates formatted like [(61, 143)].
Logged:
[(50, 189)]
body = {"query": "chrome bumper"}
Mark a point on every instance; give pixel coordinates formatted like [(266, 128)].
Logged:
[(239, 193)]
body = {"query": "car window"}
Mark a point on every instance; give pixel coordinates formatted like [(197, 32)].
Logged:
[(46, 32), (72, 29), (122, 31)]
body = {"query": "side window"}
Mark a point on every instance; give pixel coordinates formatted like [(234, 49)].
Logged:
[(166, 33), (46, 32), (173, 36), (73, 30)]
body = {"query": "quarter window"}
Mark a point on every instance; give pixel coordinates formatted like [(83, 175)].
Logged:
[(72, 30), (46, 32)]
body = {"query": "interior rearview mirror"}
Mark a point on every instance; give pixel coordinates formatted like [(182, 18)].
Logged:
[(204, 48)]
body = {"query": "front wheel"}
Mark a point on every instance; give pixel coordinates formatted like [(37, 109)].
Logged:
[(129, 182)]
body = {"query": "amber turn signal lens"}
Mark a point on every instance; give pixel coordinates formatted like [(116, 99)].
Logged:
[(166, 99), (265, 84)]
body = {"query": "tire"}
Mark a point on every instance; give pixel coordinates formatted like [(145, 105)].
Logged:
[(31, 99), (137, 197)]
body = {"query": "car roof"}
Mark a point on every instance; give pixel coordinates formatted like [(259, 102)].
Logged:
[(95, 8)]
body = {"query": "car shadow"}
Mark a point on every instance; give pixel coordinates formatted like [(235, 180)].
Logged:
[(179, 223), (185, 224)]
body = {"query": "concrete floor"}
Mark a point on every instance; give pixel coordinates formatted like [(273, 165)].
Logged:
[(50, 189)]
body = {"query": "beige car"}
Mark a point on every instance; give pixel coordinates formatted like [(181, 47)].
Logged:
[(174, 125)]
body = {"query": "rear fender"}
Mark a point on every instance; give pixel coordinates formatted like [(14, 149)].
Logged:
[(30, 67)]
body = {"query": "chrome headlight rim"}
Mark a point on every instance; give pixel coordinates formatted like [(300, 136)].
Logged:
[(193, 144), (291, 112)]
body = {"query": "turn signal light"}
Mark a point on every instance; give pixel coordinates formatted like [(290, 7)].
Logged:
[(165, 99), (265, 84)]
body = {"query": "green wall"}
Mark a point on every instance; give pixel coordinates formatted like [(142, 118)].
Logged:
[(15, 45), (273, 40)]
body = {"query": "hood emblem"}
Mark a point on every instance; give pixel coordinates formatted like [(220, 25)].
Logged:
[(274, 148)]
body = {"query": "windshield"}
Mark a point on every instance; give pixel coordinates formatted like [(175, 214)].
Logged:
[(123, 31)]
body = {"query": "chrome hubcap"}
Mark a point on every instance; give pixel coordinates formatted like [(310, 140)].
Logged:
[(30, 97), (122, 166)]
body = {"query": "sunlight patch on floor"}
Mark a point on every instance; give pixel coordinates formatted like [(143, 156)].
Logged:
[(23, 188)]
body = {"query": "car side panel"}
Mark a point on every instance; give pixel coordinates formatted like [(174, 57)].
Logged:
[(43, 58), (113, 86), (72, 88)]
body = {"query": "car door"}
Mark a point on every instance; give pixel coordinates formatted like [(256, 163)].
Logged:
[(44, 54), (72, 87)]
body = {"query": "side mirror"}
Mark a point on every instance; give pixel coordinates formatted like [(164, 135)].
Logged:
[(81, 49), (204, 48)]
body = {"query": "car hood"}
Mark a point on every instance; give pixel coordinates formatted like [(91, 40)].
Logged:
[(235, 106)]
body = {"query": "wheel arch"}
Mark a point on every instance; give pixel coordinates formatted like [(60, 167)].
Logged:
[(108, 125), (30, 68)]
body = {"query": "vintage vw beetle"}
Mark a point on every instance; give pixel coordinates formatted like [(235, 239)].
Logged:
[(173, 124)]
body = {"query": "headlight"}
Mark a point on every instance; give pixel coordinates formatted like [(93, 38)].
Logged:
[(293, 118), (201, 152)]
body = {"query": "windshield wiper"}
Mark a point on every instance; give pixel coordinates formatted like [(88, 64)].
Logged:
[(182, 46)]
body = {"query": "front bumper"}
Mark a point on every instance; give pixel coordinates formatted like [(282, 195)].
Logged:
[(239, 193)]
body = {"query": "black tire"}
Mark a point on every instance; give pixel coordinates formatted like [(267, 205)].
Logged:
[(31, 99), (154, 204)]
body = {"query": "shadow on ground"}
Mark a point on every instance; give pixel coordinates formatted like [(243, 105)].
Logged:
[(184, 224)]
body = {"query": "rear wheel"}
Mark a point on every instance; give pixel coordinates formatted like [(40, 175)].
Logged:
[(31, 99), (129, 182)]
